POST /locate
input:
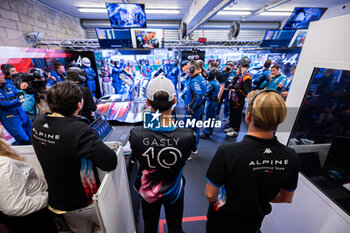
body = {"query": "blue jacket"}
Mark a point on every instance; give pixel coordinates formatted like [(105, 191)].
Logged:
[(29, 104), (196, 91), (90, 73), (174, 72), (276, 83), (260, 77), (147, 71), (9, 102), (213, 90), (116, 73), (166, 69)]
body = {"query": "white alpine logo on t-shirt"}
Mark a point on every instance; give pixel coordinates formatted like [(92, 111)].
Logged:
[(46, 125), (268, 151)]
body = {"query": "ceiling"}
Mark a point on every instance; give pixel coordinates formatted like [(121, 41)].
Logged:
[(71, 7)]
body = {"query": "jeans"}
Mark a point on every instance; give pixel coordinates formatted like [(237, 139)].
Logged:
[(173, 215), (198, 114), (210, 114), (224, 97)]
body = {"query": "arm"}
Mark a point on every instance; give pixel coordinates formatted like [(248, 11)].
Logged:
[(216, 176), (90, 101), (211, 192), (29, 103), (247, 86), (91, 147), (222, 87), (14, 200), (283, 196), (196, 94)]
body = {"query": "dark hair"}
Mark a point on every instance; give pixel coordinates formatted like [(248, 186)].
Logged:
[(276, 66), (267, 63), (213, 64), (58, 65), (161, 101), (63, 98)]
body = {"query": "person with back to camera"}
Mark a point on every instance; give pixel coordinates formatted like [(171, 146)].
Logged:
[(69, 151), (75, 74), (162, 153), (264, 75), (23, 195), (212, 100), (239, 90), (245, 177)]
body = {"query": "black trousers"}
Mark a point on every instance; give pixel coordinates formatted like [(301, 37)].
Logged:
[(37, 222), (173, 215), (221, 222), (236, 110)]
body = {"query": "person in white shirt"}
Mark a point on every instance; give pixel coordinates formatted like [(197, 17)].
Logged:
[(23, 195)]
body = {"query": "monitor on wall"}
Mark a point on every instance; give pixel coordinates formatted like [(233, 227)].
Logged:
[(277, 38), (298, 39), (126, 15), (114, 38), (147, 38), (325, 109), (302, 17)]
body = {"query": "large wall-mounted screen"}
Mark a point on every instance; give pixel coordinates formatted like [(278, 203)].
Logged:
[(325, 110), (126, 15), (298, 39), (302, 17)]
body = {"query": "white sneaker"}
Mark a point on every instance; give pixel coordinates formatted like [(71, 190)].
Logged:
[(189, 158), (228, 130), (194, 152), (232, 134)]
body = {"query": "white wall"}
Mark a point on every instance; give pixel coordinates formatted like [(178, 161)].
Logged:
[(326, 46)]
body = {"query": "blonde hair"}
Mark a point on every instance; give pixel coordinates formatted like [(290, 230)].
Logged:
[(7, 151), (268, 109)]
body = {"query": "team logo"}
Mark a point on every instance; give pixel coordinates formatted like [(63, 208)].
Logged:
[(151, 119), (268, 151), (46, 126)]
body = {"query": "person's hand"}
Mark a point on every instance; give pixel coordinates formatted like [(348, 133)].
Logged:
[(51, 77), (24, 85), (2, 134), (270, 77), (190, 111), (284, 94)]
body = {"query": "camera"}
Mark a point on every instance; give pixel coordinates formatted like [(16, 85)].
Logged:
[(36, 80)]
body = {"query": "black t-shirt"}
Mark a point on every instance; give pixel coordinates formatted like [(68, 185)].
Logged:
[(162, 156), (221, 78), (252, 172)]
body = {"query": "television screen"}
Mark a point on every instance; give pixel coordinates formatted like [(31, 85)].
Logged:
[(298, 39), (277, 38), (193, 55), (148, 38), (126, 15), (325, 110), (302, 17), (337, 158), (114, 38)]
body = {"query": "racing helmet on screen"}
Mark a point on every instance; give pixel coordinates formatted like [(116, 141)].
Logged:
[(86, 62)]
